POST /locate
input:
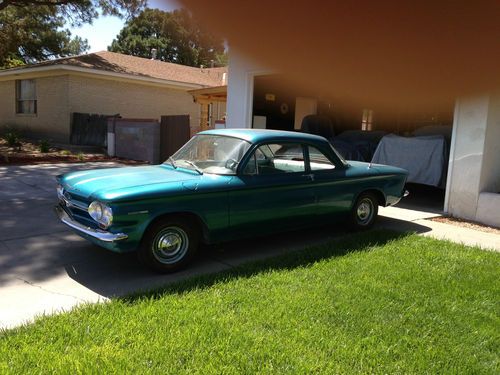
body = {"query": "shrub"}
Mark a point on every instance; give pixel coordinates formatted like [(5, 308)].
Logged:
[(44, 146), (11, 136)]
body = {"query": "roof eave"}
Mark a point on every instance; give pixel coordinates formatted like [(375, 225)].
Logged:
[(69, 68)]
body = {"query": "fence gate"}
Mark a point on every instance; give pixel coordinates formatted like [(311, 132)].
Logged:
[(174, 132), (89, 129)]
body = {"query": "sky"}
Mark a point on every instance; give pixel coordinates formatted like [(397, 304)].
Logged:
[(104, 29)]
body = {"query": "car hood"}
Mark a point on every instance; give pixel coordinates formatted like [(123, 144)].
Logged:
[(108, 183)]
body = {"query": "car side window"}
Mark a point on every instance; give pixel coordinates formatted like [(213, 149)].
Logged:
[(276, 158), (318, 161)]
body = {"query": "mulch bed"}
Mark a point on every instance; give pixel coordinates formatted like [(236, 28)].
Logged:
[(29, 153), (466, 224)]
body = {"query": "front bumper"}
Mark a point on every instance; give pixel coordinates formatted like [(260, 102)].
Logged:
[(98, 234)]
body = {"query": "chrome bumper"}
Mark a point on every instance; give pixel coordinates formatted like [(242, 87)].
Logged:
[(95, 233)]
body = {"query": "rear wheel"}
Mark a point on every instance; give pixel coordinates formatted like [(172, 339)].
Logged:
[(169, 244), (364, 212)]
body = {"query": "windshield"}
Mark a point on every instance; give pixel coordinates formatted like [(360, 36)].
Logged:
[(210, 154)]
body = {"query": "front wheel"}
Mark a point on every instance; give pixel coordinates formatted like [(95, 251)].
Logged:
[(169, 244), (364, 212)]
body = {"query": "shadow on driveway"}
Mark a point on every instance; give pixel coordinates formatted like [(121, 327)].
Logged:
[(39, 250), (34, 245), (118, 275)]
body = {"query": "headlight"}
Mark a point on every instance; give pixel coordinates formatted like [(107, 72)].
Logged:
[(107, 216), (101, 213)]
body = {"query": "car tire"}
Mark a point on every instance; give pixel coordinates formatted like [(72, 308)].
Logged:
[(169, 244), (364, 212)]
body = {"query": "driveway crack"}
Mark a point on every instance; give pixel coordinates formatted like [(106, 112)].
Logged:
[(47, 290)]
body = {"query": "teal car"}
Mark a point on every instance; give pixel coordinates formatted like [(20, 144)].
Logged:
[(220, 186)]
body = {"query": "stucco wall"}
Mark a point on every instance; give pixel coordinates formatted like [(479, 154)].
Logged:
[(240, 89), (130, 100), (474, 174), (52, 109), (490, 172)]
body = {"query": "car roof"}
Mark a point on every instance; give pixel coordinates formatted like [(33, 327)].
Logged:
[(263, 135)]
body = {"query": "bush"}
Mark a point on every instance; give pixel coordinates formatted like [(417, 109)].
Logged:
[(11, 136), (44, 146)]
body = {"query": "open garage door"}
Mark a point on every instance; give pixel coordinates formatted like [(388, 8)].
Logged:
[(417, 140)]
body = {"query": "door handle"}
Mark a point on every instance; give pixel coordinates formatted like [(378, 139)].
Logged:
[(310, 177)]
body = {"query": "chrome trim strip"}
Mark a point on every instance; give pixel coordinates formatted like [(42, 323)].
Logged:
[(69, 203), (77, 205), (138, 212), (96, 233)]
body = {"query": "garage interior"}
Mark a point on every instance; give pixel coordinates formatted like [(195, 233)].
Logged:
[(417, 140)]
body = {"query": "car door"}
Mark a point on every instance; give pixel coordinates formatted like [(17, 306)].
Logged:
[(334, 191), (272, 192)]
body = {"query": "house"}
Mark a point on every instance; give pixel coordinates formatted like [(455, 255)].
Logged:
[(258, 97), (40, 99)]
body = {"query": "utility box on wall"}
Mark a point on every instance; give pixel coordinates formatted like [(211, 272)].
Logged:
[(136, 139)]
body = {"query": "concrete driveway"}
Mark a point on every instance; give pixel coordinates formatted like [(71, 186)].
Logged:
[(44, 267)]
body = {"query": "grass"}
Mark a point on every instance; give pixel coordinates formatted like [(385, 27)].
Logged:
[(376, 303)]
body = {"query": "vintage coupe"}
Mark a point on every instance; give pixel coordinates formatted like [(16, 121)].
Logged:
[(223, 185)]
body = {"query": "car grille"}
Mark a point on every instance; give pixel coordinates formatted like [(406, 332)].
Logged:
[(76, 206), (73, 201)]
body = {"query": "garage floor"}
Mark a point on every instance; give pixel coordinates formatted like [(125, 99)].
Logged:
[(423, 198)]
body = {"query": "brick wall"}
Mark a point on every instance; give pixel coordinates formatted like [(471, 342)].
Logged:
[(59, 96), (52, 116), (130, 100)]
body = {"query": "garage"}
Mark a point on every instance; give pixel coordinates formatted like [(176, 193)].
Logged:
[(417, 140)]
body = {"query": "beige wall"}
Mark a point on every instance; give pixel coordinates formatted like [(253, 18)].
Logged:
[(52, 108), (130, 100), (473, 187), (59, 96)]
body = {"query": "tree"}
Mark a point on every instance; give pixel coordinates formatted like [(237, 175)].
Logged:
[(176, 36), (81, 11), (33, 30)]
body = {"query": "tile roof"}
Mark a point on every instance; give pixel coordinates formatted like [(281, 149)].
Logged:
[(137, 66)]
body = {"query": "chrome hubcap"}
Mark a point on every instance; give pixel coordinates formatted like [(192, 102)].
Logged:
[(170, 245), (365, 211)]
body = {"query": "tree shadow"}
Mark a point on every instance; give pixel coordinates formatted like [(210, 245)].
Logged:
[(295, 259), (34, 244), (114, 275), (36, 247)]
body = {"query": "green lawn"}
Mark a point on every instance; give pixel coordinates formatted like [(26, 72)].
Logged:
[(374, 302)]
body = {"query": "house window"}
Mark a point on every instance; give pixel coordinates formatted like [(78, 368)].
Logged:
[(367, 120), (26, 96)]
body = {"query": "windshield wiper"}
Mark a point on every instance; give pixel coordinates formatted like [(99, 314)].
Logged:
[(193, 165), (172, 162)]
